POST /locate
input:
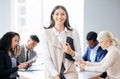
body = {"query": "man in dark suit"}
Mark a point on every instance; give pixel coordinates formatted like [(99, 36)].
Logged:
[(27, 50), (94, 52)]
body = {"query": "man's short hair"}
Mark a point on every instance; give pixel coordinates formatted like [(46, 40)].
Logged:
[(35, 38), (91, 36)]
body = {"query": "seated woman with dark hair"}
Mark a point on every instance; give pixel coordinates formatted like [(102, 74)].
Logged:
[(8, 63)]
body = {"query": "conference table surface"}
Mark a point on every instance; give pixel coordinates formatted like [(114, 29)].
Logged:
[(39, 73)]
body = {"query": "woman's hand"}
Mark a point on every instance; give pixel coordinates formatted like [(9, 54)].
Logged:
[(57, 77), (81, 64), (82, 67), (81, 61), (23, 65), (68, 50)]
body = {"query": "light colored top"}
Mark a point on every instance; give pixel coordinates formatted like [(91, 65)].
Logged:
[(26, 52), (60, 36), (93, 53), (22, 56), (110, 63), (14, 64)]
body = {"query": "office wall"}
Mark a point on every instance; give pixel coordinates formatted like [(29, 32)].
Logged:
[(4, 16), (98, 15), (102, 15)]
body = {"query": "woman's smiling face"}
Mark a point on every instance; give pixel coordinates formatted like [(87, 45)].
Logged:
[(59, 16)]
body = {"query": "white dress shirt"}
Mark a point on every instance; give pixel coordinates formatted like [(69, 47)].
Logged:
[(93, 53), (26, 52)]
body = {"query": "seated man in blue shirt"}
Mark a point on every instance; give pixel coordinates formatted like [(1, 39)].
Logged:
[(94, 52)]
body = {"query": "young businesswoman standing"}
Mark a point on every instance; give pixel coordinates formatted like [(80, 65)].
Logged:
[(8, 62), (59, 67)]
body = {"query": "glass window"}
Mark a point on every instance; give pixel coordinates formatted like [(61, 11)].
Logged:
[(27, 16)]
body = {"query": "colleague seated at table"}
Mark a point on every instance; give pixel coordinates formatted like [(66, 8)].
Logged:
[(27, 50), (111, 61), (94, 53), (8, 63)]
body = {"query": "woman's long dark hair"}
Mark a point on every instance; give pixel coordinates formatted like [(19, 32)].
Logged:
[(6, 41), (66, 23)]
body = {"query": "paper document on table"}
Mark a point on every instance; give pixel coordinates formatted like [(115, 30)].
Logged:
[(32, 60), (88, 74)]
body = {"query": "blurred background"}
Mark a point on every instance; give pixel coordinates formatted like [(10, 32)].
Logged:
[(29, 16)]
